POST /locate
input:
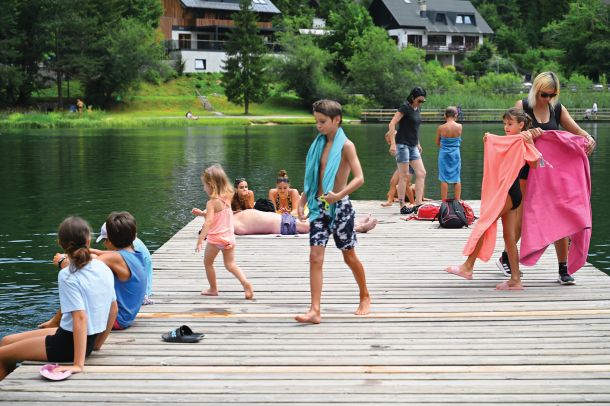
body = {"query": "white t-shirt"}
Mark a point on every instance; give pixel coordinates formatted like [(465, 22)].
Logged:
[(595, 107), (91, 288)]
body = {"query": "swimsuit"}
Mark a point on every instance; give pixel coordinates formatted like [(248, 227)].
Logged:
[(288, 225), (222, 231), (342, 227), (277, 202)]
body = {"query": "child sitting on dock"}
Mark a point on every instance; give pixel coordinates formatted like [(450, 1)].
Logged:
[(219, 230), (88, 306), (501, 197), (330, 160), (127, 265), (139, 246), (449, 139)]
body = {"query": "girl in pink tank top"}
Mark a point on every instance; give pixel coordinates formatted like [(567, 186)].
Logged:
[(218, 229)]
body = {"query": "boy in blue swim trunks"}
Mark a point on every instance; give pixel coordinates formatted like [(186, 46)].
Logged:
[(330, 160)]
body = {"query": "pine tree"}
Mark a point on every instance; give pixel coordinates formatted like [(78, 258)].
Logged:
[(244, 77)]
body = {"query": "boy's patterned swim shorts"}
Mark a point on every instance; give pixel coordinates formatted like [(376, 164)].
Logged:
[(342, 228)]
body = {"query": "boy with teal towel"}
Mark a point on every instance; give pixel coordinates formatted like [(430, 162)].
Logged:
[(330, 160)]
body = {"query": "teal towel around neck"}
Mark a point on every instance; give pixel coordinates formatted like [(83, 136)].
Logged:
[(312, 169)]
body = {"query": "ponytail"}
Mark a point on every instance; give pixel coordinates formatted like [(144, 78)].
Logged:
[(73, 236)]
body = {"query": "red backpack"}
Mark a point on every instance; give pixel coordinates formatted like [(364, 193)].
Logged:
[(470, 217)]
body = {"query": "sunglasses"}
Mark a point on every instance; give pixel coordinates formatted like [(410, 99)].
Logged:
[(547, 95), (421, 100)]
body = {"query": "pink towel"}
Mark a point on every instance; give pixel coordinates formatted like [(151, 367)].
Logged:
[(504, 157), (557, 201)]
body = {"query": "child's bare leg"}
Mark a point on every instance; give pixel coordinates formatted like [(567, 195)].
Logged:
[(316, 261), (392, 190), (444, 191), (403, 176), (420, 178), (465, 270), (457, 191), (208, 261), (409, 193), (509, 225), (352, 260), (228, 255), (561, 248), (30, 347)]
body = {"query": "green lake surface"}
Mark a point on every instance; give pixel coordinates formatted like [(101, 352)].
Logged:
[(47, 175)]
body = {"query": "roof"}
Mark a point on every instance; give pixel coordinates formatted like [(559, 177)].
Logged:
[(407, 14), (260, 6)]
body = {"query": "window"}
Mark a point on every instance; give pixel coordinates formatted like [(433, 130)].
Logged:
[(184, 41), (200, 64), (440, 18), (464, 19)]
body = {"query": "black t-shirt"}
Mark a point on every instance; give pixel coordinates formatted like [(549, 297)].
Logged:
[(408, 126), (554, 118)]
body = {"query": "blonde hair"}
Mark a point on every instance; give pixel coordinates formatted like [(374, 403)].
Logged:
[(545, 80), (218, 182)]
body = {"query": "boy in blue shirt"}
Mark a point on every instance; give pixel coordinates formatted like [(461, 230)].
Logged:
[(127, 265)]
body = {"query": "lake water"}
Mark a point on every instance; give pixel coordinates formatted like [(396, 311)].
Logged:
[(47, 175)]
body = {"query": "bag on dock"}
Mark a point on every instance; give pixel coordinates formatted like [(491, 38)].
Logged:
[(452, 215)]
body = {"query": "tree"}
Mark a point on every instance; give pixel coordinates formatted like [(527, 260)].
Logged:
[(11, 78), (477, 62), (244, 76), (381, 71), (584, 33), (123, 57), (305, 69), (346, 27)]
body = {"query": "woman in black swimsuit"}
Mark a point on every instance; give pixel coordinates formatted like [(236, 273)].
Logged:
[(547, 113)]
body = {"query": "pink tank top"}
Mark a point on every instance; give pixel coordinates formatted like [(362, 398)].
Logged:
[(222, 230)]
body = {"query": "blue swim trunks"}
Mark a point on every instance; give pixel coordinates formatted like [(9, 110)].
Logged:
[(288, 225), (342, 229)]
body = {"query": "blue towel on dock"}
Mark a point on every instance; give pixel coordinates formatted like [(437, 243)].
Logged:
[(312, 170), (449, 160)]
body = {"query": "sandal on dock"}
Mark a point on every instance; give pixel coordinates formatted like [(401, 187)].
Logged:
[(182, 334)]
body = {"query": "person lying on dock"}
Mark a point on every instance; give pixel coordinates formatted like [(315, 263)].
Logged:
[(127, 265), (88, 306), (251, 221)]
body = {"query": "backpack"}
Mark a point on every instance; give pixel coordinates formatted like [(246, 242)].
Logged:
[(451, 214), (469, 212)]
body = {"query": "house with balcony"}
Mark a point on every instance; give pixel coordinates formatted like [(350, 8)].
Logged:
[(445, 29), (197, 30)]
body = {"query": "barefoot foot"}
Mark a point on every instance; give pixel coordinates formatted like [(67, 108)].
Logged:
[(311, 317), (509, 285), (248, 292), (363, 308), (209, 292), (387, 204)]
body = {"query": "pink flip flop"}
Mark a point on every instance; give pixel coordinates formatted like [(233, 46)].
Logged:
[(47, 372), (456, 271), (505, 286)]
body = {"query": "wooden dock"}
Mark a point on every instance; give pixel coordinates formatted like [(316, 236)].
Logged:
[(432, 338)]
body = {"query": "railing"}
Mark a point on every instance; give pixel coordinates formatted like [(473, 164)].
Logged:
[(448, 48), (209, 45), (475, 115), (210, 22)]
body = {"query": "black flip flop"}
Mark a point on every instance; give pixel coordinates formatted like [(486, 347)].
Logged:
[(182, 334)]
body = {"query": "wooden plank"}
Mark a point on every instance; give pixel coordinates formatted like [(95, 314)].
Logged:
[(430, 338)]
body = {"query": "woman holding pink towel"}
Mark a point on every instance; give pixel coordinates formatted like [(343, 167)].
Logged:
[(547, 113)]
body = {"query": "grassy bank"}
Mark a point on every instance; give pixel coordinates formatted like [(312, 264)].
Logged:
[(165, 104)]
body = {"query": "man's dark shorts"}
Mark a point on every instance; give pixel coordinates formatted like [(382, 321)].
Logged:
[(342, 228)]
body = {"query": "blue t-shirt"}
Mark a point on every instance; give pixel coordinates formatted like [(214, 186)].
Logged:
[(139, 246), (91, 289), (130, 293)]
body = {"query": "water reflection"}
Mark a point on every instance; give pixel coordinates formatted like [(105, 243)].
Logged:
[(154, 174)]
